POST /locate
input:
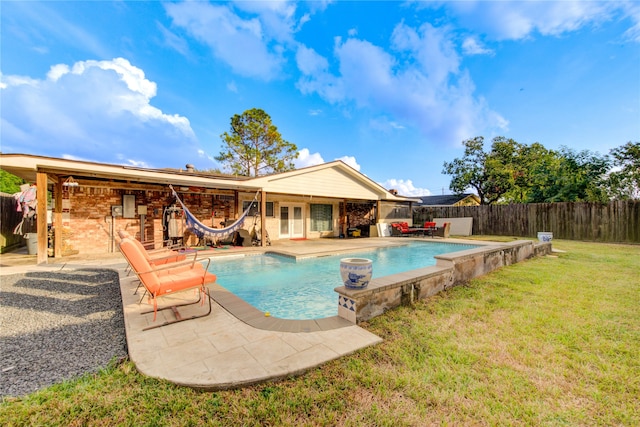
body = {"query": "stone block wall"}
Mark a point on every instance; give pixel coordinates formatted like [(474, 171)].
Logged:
[(453, 269)]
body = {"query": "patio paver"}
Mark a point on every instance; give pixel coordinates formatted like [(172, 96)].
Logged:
[(236, 344)]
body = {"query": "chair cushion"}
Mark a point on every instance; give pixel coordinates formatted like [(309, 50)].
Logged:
[(182, 281), (139, 263), (164, 281), (161, 258)]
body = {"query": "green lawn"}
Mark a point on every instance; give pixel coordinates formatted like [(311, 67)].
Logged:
[(550, 341)]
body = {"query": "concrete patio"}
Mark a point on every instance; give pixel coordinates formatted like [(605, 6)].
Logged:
[(236, 344)]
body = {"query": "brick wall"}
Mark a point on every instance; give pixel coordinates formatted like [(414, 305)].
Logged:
[(87, 223)]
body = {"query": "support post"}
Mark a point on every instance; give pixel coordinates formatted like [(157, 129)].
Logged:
[(236, 204), (263, 218), (345, 219), (57, 220), (41, 216)]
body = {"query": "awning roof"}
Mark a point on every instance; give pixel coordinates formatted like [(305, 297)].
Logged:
[(26, 166)]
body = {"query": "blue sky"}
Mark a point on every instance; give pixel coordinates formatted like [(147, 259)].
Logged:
[(391, 88)]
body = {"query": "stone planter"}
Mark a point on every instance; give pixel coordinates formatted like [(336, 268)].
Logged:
[(356, 272), (545, 236)]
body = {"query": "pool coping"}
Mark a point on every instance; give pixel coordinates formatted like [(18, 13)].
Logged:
[(258, 319), (250, 315), (451, 269)]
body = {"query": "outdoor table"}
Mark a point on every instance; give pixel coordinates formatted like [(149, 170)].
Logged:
[(425, 231)]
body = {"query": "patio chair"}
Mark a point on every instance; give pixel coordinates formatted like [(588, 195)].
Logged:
[(168, 279), (155, 257), (442, 231), (403, 229), (160, 256), (429, 228), (150, 245)]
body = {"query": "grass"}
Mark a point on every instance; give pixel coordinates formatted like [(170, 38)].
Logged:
[(551, 341)]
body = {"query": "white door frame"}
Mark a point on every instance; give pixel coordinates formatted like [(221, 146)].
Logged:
[(294, 227)]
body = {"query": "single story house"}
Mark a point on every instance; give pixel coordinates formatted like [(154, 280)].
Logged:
[(465, 199), (82, 205)]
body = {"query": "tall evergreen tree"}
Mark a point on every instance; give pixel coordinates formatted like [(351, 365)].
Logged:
[(254, 147)]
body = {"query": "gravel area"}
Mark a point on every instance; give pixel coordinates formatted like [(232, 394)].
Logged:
[(58, 325)]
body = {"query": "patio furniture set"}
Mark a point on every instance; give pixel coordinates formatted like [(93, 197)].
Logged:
[(402, 229)]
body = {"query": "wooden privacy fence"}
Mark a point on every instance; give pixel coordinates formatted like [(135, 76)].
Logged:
[(617, 221)]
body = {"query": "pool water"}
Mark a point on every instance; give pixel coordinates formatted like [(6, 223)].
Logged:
[(304, 289)]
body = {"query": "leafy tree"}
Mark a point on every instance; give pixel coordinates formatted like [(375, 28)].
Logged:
[(515, 173), (580, 177), (624, 181), (254, 146), (10, 183), (489, 174), (532, 166)]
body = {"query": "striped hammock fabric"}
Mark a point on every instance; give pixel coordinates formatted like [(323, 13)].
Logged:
[(201, 230)]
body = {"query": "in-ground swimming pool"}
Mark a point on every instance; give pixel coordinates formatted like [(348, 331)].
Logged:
[(304, 289)]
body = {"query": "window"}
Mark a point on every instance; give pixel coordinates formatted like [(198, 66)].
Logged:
[(255, 209), (321, 217)]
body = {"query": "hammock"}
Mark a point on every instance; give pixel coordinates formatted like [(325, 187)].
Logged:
[(201, 230)]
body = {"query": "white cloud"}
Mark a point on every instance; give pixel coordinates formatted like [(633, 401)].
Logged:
[(173, 41), (203, 155), (471, 46), (316, 76), (8, 80), (95, 109), (260, 34), (41, 25), (418, 83), (632, 11), (307, 159), (57, 71), (120, 160), (504, 20), (405, 188), (276, 17), (351, 161), (383, 124), (309, 62)]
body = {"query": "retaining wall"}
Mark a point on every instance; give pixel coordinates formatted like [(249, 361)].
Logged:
[(456, 268)]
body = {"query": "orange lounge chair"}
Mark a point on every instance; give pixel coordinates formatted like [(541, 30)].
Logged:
[(156, 258), (168, 279), (150, 247), (160, 256)]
